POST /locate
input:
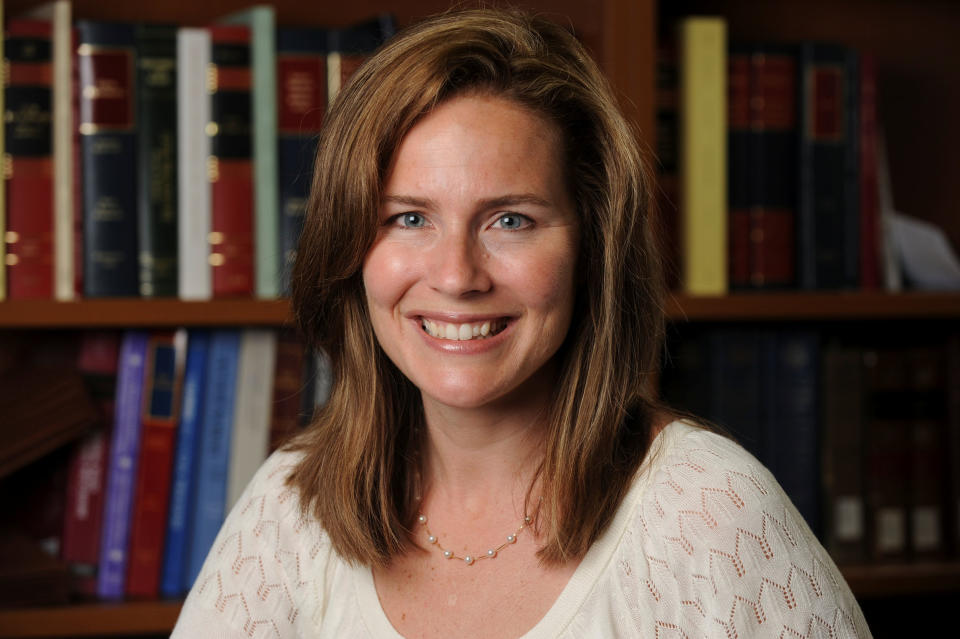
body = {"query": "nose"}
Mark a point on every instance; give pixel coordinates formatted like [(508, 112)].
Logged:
[(458, 265)]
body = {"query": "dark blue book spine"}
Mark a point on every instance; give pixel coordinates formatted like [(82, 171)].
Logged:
[(173, 582), (121, 473), (107, 65), (828, 191), (214, 452), (302, 103), (736, 385), (791, 418)]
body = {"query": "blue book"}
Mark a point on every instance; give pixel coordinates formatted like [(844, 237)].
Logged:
[(106, 57), (791, 418), (214, 451), (173, 581), (122, 469), (736, 386)]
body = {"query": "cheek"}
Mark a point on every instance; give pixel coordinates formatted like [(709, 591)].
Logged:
[(386, 275)]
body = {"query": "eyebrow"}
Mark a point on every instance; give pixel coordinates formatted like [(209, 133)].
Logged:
[(490, 203)]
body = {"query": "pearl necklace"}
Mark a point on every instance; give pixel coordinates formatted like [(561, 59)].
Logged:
[(470, 559)]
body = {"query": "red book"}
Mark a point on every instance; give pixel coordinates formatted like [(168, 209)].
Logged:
[(29, 172), (869, 188), (231, 168), (87, 471), (763, 147), (163, 380), (287, 386)]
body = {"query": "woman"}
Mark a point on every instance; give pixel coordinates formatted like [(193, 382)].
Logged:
[(479, 264)]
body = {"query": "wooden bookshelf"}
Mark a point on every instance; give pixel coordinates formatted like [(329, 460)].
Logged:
[(794, 306)]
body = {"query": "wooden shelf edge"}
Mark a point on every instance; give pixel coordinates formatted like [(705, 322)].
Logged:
[(137, 313), (889, 580), (88, 620), (802, 306)]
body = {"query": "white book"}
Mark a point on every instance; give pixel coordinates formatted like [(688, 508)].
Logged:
[(250, 440), (195, 281), (58, 14)]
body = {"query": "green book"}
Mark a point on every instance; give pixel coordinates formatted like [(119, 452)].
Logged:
[(261, 22)]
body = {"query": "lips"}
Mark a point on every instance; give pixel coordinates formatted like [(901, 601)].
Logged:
[(463, 331)]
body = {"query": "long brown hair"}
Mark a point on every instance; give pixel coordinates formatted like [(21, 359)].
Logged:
[(357, 473)]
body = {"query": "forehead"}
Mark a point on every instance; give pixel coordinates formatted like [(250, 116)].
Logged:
[(473, 138)]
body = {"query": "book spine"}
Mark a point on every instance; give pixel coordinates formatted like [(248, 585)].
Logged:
[(161, 403), (261, 22), (763, 133), (156, 159), (302, 101), (843, 451), (287, 389), (250, 441), (870, 239), (214, 452), (193, 151), (63, 128), (107, 63), (702, 46), (173, 580), (230, 171), (124, 453), (669, 192), (735, 361), (351, 46), (928, 474), (953, 443), (827, 210), (3, 191), (791, 422), (28, 165)]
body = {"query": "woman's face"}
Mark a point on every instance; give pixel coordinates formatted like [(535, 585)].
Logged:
[(470, 282)]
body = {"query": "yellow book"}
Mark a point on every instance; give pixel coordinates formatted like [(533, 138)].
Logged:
[(702, 49)]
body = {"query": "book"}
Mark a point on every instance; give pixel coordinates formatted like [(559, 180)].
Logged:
[(349, 47), (844, 511), (250, 439), (953, 443), (828, 215), (58, 14), (107, 63), (288, 383), (702, 54), (302, 103), (163, 379), (762, 165), (260, 20), (122, 468), (3, 191), (28, 575), (87, 472), (43, 409), (157, 159), (193, 150), (230, 164), (173, 581), (28, 173), (869, 197), (213, 454), (668, 222)]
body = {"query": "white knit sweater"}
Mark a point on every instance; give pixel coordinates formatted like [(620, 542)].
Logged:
[(705, 544)]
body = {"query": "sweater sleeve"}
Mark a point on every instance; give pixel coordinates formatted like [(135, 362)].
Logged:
[(252, 583), (734, 554)]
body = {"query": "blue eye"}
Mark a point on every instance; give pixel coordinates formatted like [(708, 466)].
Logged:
[(411, 220), (512, 221)]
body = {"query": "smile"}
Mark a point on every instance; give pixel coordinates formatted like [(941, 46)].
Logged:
[(463, 332)]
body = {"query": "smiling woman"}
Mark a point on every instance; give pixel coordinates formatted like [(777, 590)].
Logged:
[(479, 263)]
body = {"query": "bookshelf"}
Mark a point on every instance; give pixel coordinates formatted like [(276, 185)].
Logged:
[(915, 43)]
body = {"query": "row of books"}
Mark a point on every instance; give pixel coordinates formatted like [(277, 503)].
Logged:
[(151, 160), (865, 440), (188, 417), (773, 169)]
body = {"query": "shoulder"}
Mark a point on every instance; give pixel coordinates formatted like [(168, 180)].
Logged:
[(724, 548), (265, 563)]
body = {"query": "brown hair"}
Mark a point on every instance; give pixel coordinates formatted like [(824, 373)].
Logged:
[(357, 475)]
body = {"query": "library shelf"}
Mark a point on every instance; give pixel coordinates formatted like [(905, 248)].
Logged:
[(787, 306), (91, 620), (159, 617)]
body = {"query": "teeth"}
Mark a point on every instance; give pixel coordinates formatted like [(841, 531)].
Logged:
[(463, 332)]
